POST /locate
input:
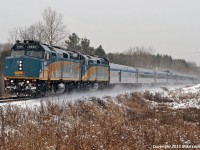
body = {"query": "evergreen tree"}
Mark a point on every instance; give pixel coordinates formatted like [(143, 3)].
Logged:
[(73, 42), (85, 47), (100, 52)]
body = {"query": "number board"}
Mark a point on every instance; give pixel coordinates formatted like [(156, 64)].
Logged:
[(32, 46), (19, 46)]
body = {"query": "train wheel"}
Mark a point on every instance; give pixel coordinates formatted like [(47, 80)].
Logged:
[(68, 87), (54, 88), (94, 87), (61, 88), (58, 88)]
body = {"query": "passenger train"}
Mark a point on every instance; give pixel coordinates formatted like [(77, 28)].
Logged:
[(35, 68)]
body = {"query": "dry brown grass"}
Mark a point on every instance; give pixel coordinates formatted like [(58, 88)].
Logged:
[(157, 97), (125, 123)]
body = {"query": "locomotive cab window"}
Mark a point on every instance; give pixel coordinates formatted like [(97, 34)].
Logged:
[(18, 50), (34, 50), (28, 49), (36, 54), (17, 53)]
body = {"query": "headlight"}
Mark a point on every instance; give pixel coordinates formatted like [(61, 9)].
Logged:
[(20, 65), (28, 81), (11, 81)]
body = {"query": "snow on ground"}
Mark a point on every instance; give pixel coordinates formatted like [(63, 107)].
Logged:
[(188, 97), (182, 96), (81, 95)]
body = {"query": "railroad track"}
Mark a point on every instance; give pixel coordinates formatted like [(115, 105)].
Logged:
[(13, 99)]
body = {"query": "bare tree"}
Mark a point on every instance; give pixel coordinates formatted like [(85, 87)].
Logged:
[(35, 32), (14, 35), (50, 30), (39, 32), (31, 32), (24, 33), (54, 29)]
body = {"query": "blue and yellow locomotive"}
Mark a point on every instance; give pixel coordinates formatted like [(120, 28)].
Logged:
[(36, 68)]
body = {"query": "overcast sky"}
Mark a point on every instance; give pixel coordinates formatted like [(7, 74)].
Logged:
[(169, 26)]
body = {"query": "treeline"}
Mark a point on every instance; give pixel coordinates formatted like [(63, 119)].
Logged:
[(146, 58), (136, 57)]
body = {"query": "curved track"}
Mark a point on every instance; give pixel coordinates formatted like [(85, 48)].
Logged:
[(13, 99)]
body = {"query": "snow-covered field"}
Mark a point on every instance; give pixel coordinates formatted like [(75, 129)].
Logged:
[(182, 96), (188, 97)]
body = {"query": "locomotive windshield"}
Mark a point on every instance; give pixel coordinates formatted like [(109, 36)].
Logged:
[(31, 50), (36, 54), (17, 53)]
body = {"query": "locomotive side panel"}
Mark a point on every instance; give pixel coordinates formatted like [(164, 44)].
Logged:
[(64, 70), (96, 73), (102, 73), (90, 73), (94, 69)]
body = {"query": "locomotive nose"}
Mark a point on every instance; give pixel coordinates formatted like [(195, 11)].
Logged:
[(22, 67)]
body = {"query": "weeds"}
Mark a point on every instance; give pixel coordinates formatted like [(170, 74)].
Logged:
[(125, 123), (157, 97)]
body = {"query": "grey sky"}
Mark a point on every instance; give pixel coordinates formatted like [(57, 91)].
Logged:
[(169, 26)]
